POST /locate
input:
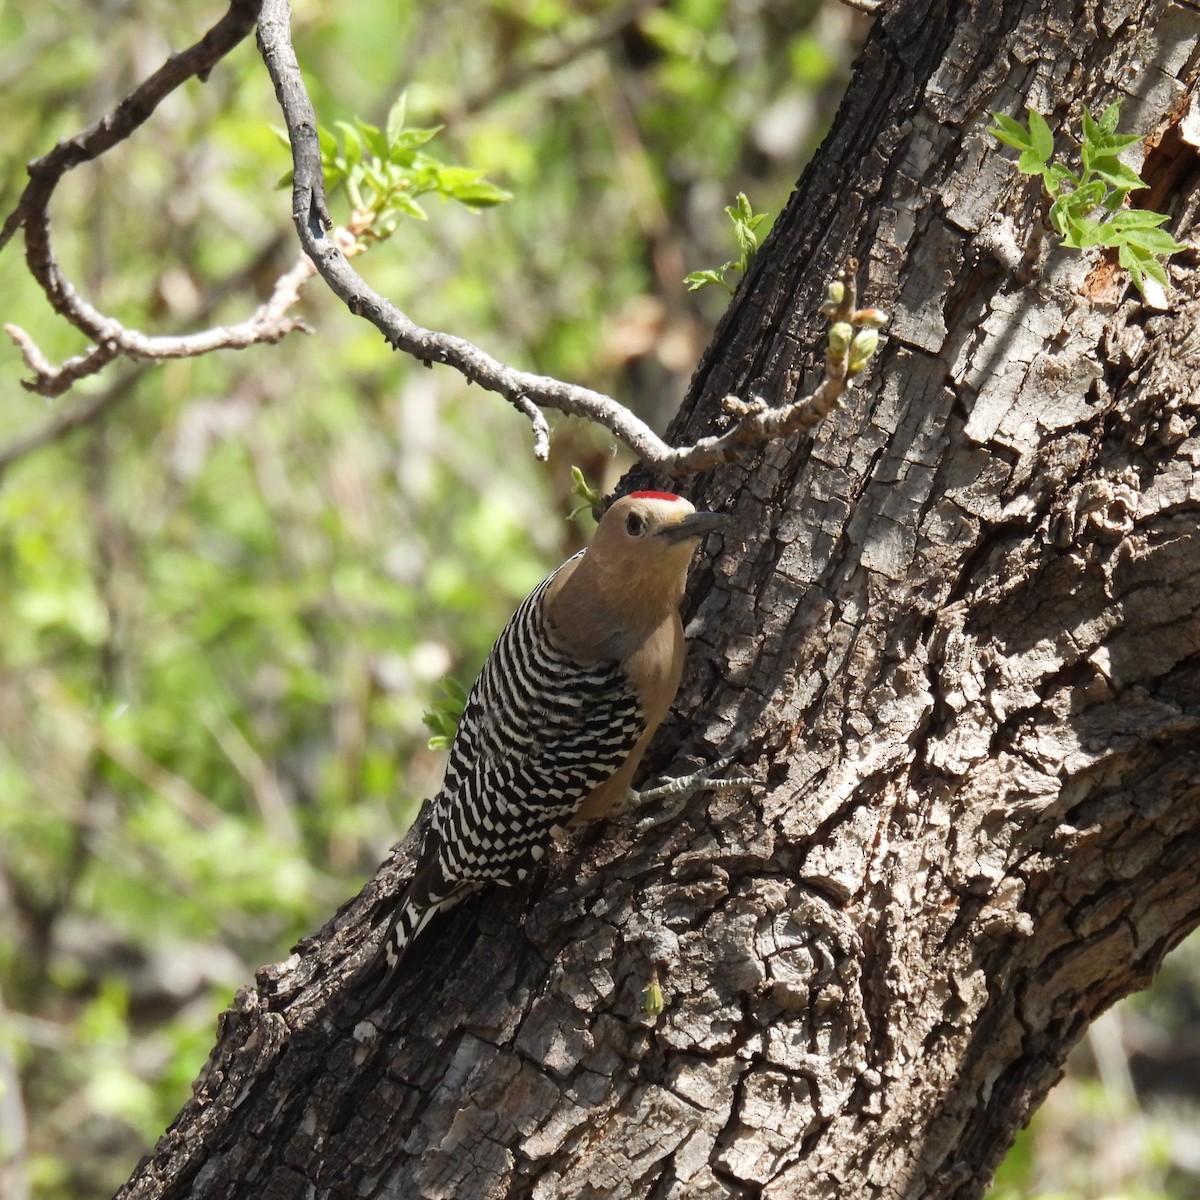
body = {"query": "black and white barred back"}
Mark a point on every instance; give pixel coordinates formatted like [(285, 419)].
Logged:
[(539, 733)]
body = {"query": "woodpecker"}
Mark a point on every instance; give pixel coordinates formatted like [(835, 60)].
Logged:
[(557, 722)]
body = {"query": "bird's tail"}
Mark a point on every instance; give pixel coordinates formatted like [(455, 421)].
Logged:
[(407, 924)]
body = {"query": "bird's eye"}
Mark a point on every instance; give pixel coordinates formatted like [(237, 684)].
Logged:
[(635, 524)]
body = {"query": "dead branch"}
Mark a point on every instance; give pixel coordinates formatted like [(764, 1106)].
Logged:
[(88, 411)]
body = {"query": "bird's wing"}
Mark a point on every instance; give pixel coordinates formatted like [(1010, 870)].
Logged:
[(507, 790), (540, 731)]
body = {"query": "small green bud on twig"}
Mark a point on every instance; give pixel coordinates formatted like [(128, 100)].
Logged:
[(862, 349), (582, 490), (841, 333), (835, 296)]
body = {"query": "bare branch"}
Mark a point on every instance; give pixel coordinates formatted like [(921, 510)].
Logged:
[(311, 215), (49, 380), (267, 324), (527, 392), (326, 254), (32, 212), (88, 411), (132, 112)]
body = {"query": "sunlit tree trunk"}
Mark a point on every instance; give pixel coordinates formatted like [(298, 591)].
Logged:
[(960, 635)]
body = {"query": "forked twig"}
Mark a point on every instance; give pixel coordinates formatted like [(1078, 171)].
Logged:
[(32, 214)]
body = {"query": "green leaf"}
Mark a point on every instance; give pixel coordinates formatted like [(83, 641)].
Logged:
[(1057, 216), (699, 279), (1109, 235), (590, 497), (1084, 199), (1154, 241), (405, 142), (1091, 130), (329, 143), (1114, 143), (1138, 218), (1086, 232), (1142, 266), (1010, 131), (1110, 117), (450, 178), (746, 240), (1054, 176), (740, 209), (374, 175), (443, 715), (395, 120), (481, 194), (374, 139), (1129, 259), (1029, 163), (1115, 173), (745, 222), (1156, 271), (1040, 137), (1073, 234), (352, 143), (742, 214), (402, 202)]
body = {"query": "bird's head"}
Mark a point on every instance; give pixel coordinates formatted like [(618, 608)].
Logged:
[(632, 576), (649, 524), (646, 539)]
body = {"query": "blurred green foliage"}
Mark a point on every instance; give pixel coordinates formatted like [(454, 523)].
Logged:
[(225, 606), (1124, 1124)]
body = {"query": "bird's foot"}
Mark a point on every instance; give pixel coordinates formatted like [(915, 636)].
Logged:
[(674, 794)]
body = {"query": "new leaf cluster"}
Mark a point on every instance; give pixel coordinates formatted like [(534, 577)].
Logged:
[(383, 171), (1089, 206), (745, 232)]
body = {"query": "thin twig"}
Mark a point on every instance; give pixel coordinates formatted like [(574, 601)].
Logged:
[(268, 324), (90, 410)]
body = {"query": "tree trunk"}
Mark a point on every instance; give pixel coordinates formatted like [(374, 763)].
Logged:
[(961, 635)]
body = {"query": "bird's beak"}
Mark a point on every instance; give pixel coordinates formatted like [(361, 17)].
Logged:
[(695, 525)]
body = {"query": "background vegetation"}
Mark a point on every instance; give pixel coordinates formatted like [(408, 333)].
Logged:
[(225, 604)]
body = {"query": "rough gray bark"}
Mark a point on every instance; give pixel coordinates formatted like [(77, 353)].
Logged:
[(961, 633)]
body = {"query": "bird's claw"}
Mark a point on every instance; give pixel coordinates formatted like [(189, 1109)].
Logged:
[(677, 792)]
